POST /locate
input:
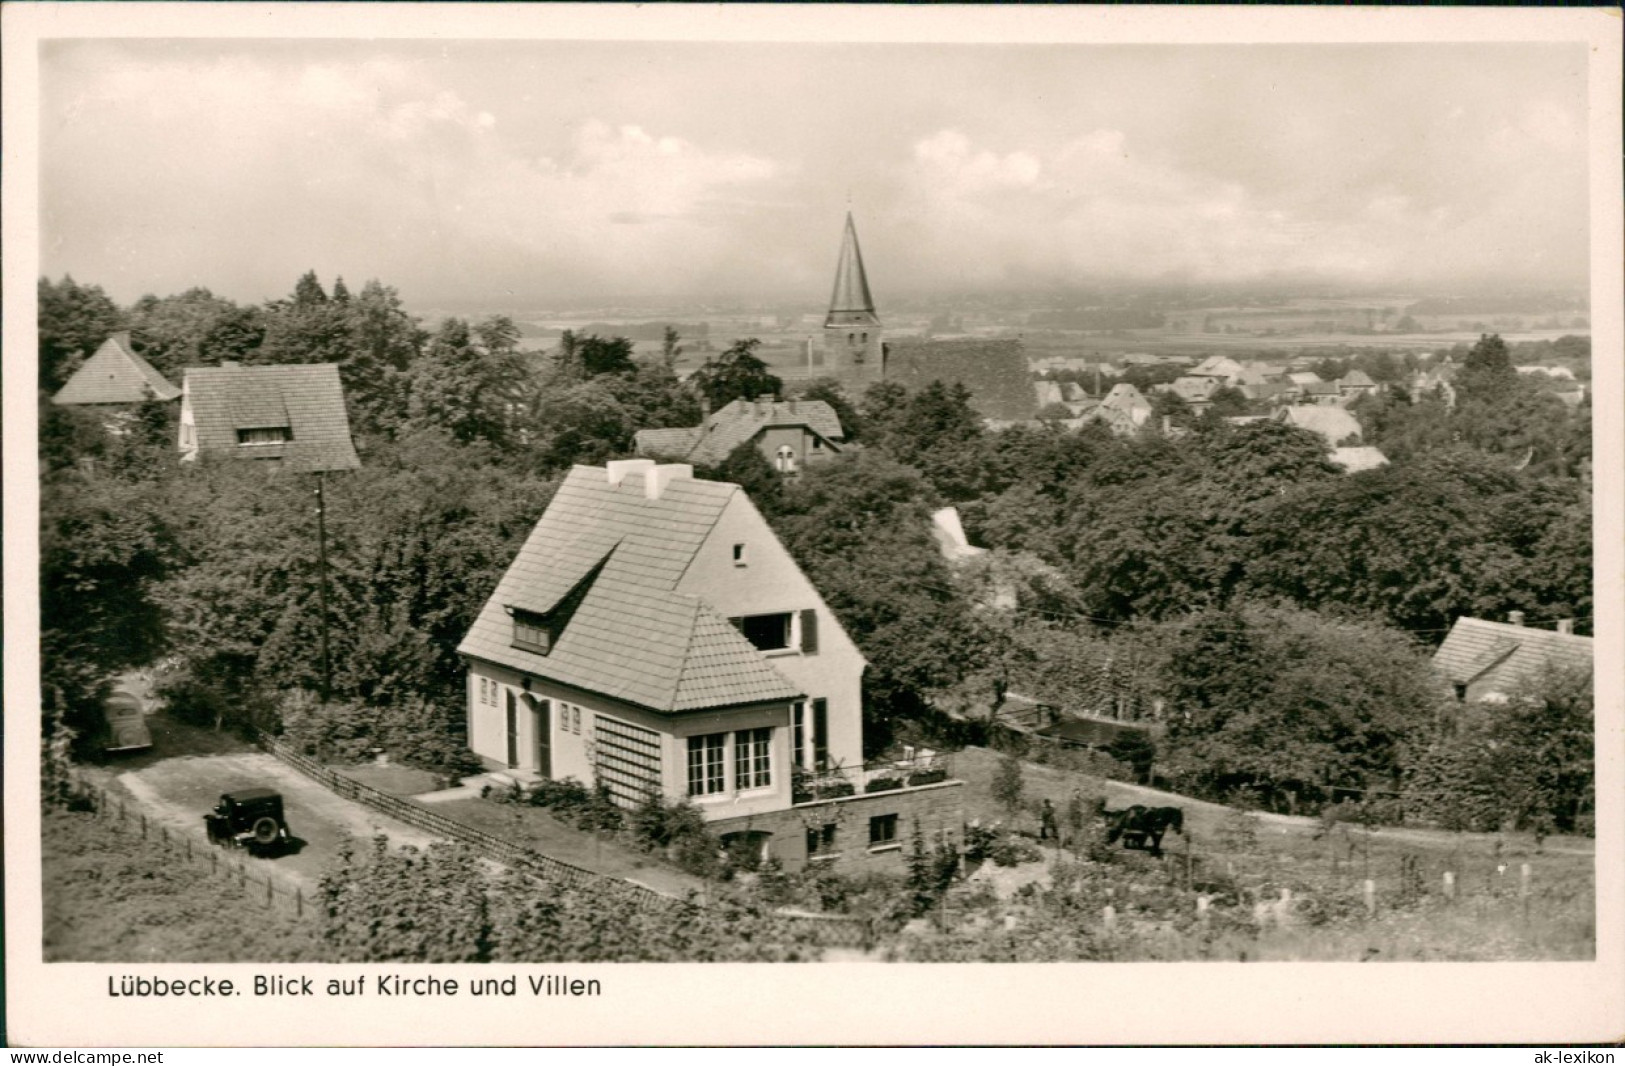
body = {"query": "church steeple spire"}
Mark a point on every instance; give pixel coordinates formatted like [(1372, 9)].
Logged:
[(851, 304)]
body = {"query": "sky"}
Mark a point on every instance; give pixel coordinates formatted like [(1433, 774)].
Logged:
[(536, 173)]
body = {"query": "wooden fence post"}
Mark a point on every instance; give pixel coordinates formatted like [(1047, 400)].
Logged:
[(1370, 898), (1108, 918), (214, 861), (1450, 885), (298, 901), (1523, 889), (270, 891), (143, 825)]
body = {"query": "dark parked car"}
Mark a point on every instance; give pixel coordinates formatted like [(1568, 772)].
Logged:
[(250, 818)]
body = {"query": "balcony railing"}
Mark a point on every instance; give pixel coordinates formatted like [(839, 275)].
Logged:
[(914, 769)]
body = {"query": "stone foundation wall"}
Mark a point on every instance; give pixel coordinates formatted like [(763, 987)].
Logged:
[(938, 809)]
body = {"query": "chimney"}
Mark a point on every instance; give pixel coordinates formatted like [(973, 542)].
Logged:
[(764, 403), (792, 405), (656, 480), (1515, 617), (617, 469), (1565, 625)]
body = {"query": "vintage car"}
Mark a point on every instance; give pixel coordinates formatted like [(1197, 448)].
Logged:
[(126, 725), (249, 818)]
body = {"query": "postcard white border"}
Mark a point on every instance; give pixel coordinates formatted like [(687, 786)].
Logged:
[(66, 1004)]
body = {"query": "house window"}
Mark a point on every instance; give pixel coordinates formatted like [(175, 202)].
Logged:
[(1461, 693), (821, 839), (882, 830), (530, 632), (739, 555), (820, 710), (269, 435), (485, 690), (817, 444), (705, 764), (785, 460), (575, 720), (769, 632), (753, 758)]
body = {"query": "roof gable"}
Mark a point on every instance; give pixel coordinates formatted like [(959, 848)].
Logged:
[(115, 374)]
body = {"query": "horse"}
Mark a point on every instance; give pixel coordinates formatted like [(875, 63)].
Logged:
[(1140, 826)]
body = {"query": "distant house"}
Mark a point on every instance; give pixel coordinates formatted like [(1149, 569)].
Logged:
[(790, 434), (1354, 384), (1222, 367), (1197, 392), (1123, 410), (1046, 393), (292, 415), (1490, 660), (1337, 426), (1355, 459), (115, 375)]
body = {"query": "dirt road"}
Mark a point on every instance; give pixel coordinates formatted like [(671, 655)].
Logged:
[(179, 791)]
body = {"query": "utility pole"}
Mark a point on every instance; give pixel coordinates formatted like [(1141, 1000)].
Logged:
[(321, 564)]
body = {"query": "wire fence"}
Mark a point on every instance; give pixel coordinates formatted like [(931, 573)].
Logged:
[(195, 849)]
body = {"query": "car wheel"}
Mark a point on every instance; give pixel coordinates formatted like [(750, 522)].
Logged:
[(265, 831)]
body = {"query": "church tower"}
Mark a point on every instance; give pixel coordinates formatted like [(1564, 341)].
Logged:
[(853, 354)]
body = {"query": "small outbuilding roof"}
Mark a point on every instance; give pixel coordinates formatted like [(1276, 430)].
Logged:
[(1476, 645), (115, 374)]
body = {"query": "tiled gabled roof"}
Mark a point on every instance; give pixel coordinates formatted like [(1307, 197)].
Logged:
[(115, 374), (1475, 645), (632, 636), (1333, 423), (735, 423), (306, 399)]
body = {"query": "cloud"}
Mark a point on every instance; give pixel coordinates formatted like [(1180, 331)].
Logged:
[(368, 169), (1096, 206)]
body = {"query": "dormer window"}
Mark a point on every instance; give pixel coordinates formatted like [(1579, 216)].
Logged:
[(266, 435), (531, 632)]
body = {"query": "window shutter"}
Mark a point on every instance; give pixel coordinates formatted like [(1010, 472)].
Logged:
[(809, 632)]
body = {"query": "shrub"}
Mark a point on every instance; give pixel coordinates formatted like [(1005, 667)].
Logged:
[(339, 732), (883, 784), (927, 777)]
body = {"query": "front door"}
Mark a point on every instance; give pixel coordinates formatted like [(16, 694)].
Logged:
[(541, 723), (513, 731)]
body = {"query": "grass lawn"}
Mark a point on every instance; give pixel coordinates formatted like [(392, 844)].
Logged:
[(535, 828), (111, 896), (393, 779)]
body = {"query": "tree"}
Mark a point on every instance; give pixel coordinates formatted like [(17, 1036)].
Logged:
[(170, 333), (308, 291), (1487, 373), (1291, 705), (736, 374), (74, 320), (1008, 784), (466, 386), (670, 350)]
